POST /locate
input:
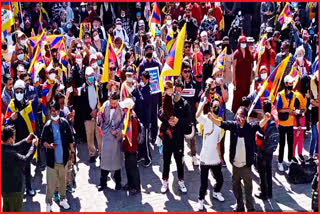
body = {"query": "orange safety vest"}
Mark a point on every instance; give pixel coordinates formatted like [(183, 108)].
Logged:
[(302, 100), (287, 105)]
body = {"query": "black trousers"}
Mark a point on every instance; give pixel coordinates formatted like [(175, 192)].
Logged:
[(144, 148), (104, 177), (154, 116), (265, 173), (27, 173), (283, 131), (169, 149), (132, 170), (217, 174)]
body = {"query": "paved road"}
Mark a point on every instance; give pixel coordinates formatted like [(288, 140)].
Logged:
[(287, 197)]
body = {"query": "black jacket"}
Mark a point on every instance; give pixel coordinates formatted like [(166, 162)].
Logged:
[(248, 132), (143, 104), (181, 110), (13, 163), (66, 138)]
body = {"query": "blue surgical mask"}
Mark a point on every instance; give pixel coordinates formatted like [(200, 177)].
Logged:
[(20, 57), (243, 45), (99, 62), (91, 79)]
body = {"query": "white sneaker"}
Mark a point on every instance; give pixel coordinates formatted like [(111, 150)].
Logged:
[(183, 187), (64, 204), (48, 208), (280, 167), (164, 187), (195, 161), (201, 205), (218, 195)]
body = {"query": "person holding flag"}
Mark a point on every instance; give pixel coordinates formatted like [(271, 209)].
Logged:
[(264, 55), (110, 118), (304, 41)]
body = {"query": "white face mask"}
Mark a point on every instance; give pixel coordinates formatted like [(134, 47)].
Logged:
[(300, 59), (96, 37), (119, 27), (94, 65), (243, 45), (96, 27), (55, 118), (264, 76), (169, 22), (24, 42), (20, 57), (78, 61), (52, 76), (130, 79), (142, 84), (19, 96), (83, 9)]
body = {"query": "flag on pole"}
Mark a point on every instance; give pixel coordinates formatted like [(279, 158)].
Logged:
[(155, 19), (40, 27), (147, 11), (127, 130), (7, 15), (169, 40), (36, 65), (221, 59), (172, 66), (295, 73), (262, 45), (285, 16), (271, 85), (85, 26), (110, 57)]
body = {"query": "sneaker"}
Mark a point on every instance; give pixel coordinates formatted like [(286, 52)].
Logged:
[(147, 163), (183, 187), (294, 159), (218, 195), (64, 204), (48, 208), (31, 192), (56, 196), (301, 158), (164, 187), (195, 161), (280, 167), (118, 187), (69, 188), (261, 196), (140, 159), (201, 207), (92, 159)]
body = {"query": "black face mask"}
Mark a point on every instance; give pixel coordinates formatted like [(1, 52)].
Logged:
[(55, 60), (174, 28), (149, 55), (4, 47), (216, 110), (290, 87), (111, 34)]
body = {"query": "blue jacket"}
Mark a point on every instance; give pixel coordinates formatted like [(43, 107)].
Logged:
[(307, 46)]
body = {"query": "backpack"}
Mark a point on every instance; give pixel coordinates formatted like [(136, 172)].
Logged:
[(302, 173), (272, 137)]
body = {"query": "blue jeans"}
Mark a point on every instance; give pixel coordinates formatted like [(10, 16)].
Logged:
[(314, 141)]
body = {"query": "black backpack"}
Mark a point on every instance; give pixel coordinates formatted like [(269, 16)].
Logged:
[(272, 137), (302, 173)]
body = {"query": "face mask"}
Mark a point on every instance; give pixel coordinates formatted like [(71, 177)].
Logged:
[(52, 76), (176, 96), (210, 19), (94, 65), (216, 110), (169, 22), (79, 61), (300, 59), (23, 42), (119, 27), (95, 7), (91, 79), (83, 9), (96, 37), (20, 57), (149, 55), (174, 28), (290, 88), (243, 45), (264, 76), (123, 15), (4, 47), (19, 96), (55, 118), (142, 84), (55, 60), (305, 38), (99, 62), (95, 27), (130, 79)]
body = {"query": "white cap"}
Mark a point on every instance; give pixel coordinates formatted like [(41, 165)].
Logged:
[(288, 79), (128, 102), (92, 56), (203, 33), (19, 84), (19, 33), (89, 71)]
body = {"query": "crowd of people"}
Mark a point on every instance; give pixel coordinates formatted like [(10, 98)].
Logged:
[(69, 104)]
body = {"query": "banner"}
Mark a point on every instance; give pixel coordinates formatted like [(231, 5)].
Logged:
[(154, 80)]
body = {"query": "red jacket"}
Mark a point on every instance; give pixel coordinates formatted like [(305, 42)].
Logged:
[(135, 135), (267, 57)]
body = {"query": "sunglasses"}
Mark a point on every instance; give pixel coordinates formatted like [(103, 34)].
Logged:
[(113, 68), (187, 71), (19, 92), (187, 46)]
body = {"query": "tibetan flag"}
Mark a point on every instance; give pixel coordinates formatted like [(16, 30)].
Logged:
[(169, 40), (63, 57), (221, 24), (295, 73), (45, 90), (147, 11), (262, 45), (172, 66), (7, 15), (221, 59), (127, 130), (85, 26), (285, 16), (110, 57), (155, 19), (271, 85), (40, 27), (36, 65), (33, 34)]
